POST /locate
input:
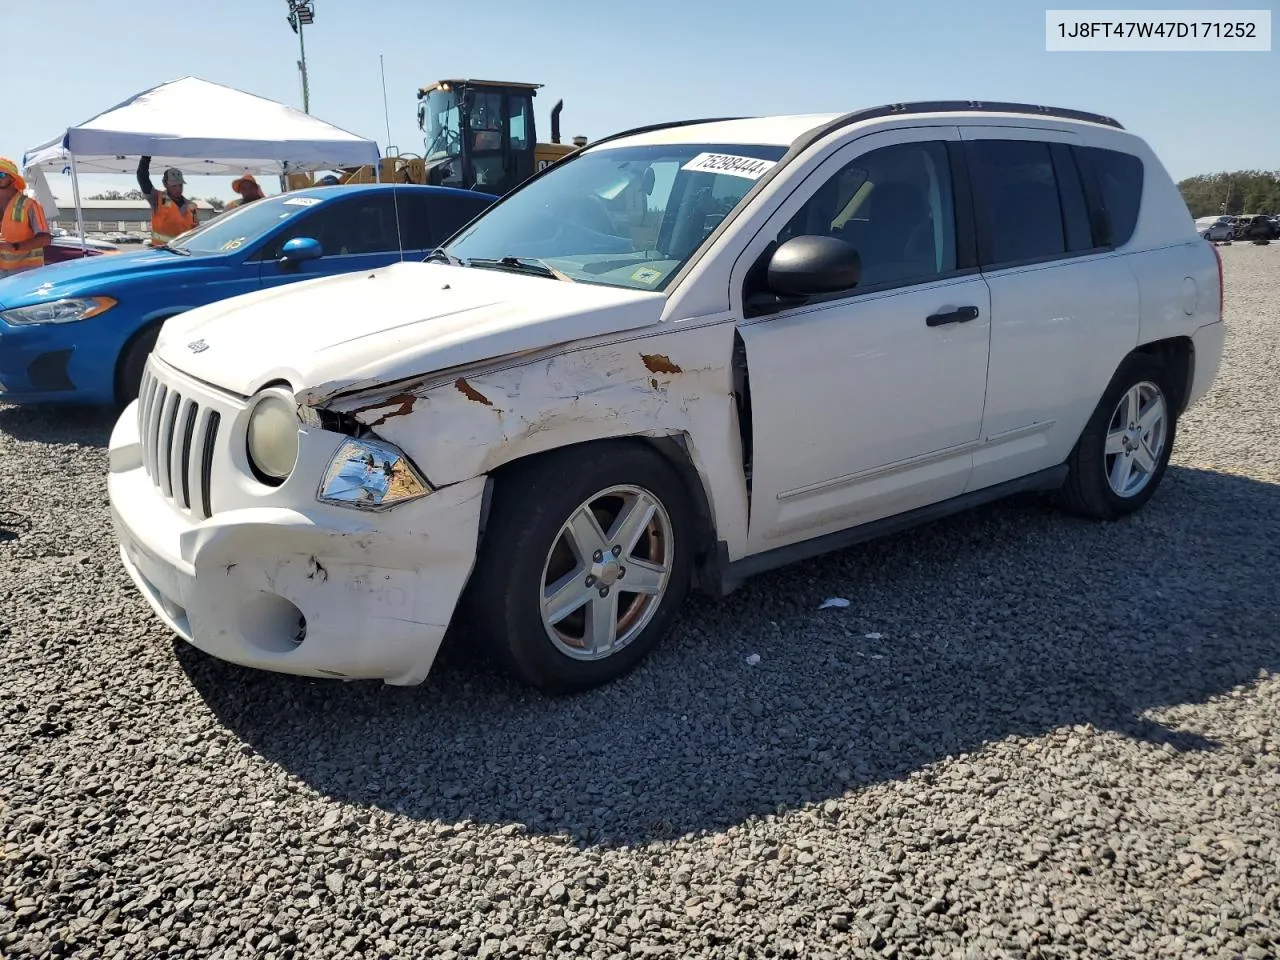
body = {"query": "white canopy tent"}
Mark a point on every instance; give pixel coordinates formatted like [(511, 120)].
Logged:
[(201, 128)]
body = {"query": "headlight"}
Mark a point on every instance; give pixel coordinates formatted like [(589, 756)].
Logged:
[(273, 439), (59, 311), (371, 474)]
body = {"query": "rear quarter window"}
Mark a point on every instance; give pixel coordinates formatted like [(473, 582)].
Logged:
[(1018, 206), (1120, 177)]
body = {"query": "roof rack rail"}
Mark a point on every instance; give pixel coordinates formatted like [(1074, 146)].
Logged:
[(977, 106), (663, 126)]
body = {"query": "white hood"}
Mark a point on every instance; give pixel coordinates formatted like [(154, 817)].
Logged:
[(405, 320)]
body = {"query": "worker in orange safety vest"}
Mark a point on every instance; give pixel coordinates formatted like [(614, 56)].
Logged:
[(24, 231), (248, 189), (172, 214)]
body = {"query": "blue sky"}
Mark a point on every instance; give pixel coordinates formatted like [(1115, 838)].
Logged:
[(617, 66)]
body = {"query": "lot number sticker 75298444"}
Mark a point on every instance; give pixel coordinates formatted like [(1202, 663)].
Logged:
[(749, 167)]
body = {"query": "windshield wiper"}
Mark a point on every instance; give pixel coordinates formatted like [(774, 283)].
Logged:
[(521, 265), (440, 253), (178, 250)]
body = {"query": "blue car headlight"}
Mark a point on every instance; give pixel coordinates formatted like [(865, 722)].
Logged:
[(371, 475), (67, 310)]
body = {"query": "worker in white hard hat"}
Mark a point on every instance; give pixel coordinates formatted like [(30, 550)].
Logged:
[(172, 213)]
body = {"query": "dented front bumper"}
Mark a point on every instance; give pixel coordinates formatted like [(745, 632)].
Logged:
[(316, 590)]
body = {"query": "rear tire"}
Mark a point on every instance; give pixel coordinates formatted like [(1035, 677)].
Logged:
[(558, 540), (133, 361), (1123, 452)]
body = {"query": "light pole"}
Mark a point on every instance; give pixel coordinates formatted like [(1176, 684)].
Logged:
[(302, 12)]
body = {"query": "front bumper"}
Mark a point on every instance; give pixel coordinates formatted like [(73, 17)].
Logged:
[(42, 364), (375, 592)]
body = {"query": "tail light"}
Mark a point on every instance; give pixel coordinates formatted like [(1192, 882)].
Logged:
[(1221, 297)]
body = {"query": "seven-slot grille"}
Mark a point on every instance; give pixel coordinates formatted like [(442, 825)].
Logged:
[(178, 437)]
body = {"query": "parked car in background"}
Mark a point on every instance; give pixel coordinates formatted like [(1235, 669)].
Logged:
[(1259, 229), (81, 332), (677, 358), (1242, 224), (1216, 228), (63, 249)]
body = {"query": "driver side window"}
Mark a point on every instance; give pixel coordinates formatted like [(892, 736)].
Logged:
[(894, 206), (352, 225)]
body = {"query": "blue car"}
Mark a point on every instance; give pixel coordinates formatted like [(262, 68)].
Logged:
[(80, 332)]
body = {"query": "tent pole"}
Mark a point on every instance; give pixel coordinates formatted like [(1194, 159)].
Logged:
[(75, 193)]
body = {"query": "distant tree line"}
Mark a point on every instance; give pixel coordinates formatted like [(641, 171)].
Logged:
[(1244, 191), (117, 195)]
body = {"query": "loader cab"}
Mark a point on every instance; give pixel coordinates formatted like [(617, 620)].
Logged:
[(479, 134)]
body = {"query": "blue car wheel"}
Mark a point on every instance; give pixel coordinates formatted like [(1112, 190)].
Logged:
[(133, 360)]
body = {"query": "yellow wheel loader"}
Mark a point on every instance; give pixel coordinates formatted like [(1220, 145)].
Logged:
[(478, 135)]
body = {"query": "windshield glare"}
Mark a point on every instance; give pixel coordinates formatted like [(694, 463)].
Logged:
[(444, 138), (627, 217), (242, 225)]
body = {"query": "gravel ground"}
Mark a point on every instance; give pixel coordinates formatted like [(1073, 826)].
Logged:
[(1027, 736)]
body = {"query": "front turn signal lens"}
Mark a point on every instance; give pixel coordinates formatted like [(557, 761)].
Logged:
[(371, 475)]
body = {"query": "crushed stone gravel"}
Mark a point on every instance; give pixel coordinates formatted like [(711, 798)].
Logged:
[(1026, 736)]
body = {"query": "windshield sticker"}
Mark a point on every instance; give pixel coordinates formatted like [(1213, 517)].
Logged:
[(302, 201), (647, 275), (748, 167), (233, 244)]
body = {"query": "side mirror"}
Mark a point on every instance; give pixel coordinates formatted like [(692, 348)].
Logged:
[(807, 266), (299, 250)]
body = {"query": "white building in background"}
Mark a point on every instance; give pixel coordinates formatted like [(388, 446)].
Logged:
[(112, 216)]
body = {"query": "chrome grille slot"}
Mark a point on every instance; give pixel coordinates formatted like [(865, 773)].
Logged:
[(184, 465), (212, 422), (179, 437), (164, 440), (152, 439), (173, 444)]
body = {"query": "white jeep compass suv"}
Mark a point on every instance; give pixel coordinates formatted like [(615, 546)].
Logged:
[(684, 355)]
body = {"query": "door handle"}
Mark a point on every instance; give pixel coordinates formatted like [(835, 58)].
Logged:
[(958, 315)]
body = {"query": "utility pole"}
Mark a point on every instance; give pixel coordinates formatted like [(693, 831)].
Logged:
[(301, 13)]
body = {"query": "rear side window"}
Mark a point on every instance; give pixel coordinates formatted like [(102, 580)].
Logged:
[(428, 220), (450, 214), (1119, 177), (410, 217), (1019, 211)]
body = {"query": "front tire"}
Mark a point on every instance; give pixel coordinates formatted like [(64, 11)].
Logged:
[(133, 361), (1121, 456), (585, 562)]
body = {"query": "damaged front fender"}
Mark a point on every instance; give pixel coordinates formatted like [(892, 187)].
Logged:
[(468, 423)]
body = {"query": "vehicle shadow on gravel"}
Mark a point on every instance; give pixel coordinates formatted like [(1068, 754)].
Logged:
[(1010, 621), (83, 426)]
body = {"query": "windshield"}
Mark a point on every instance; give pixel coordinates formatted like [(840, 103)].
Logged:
[(444, 137), (626, 217), (242, 225)]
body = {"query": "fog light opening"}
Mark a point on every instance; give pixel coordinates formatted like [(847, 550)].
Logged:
[(174, 611), (272, 624)]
